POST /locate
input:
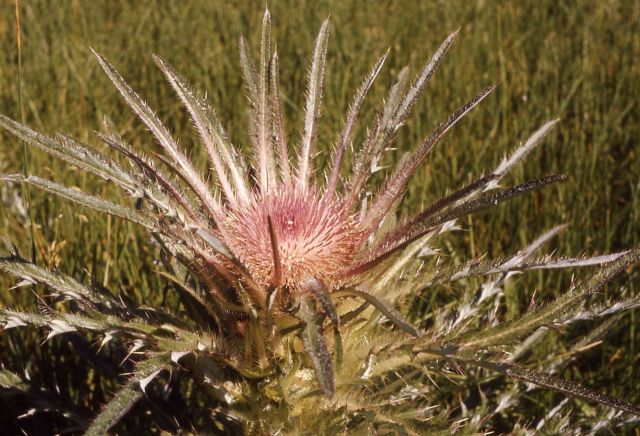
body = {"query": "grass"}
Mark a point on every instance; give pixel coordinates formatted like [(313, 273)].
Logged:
[(572, 60)]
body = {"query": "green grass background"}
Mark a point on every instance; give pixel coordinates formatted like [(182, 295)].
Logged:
[(576, 60)]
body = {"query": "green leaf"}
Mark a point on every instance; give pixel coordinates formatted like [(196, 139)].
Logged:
[(128, 395), (83, 199), (312, 107), (558, 384), (65, 285), (144, 112), (562, 308), (315, 346), (74, 153), (384, 307)]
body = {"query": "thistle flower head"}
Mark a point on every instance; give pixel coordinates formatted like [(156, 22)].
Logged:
[(287, 235)]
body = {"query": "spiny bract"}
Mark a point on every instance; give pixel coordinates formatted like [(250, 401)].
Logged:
[(287, 279)]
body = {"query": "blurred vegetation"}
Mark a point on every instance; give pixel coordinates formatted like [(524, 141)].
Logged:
[(576, 60)]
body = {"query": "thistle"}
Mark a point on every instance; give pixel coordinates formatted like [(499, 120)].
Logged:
[(297, 287)]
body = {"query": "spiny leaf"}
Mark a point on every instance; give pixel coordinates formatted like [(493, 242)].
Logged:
[(215, 243), (417, 230), (313, 286), (312, 109), (573, 262), (198, 298), (398, 180), (248, 72), (361, 170), (59, 327), (384, 307), (150, 173), (558, 384), (127, 396), (347, 131), (436, 207), (379, 136), (416, 90), (74, 153), (562, 307), (478, 267), (63, 284), (279, 129), (212, 133), (520, 153), (315, 346), (523, 255), (277, 264), (264, 151), (456, 196), (83, 199), (57, 322), (394, 98), (91, 320), (163, 136), (10, 380)]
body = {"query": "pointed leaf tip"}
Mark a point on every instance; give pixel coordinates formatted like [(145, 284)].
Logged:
[(144, 382)]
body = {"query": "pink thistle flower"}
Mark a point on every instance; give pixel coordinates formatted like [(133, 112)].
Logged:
[(288, 234), (272, 227)]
